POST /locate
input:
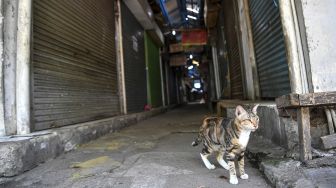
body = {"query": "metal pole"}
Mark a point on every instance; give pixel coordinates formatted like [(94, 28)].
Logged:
[(10, 31), (120, 58), (23, 67), (167, 67), (2, 122), (162, 80)]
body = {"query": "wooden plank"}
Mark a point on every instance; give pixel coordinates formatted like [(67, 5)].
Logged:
[(309, 99), (304, 133), (330, 121), (290, 100), (329, 141), (318, 99)]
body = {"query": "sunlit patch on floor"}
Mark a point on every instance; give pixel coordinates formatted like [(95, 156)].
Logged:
[(99, 161), (86, 168), (106, 144)]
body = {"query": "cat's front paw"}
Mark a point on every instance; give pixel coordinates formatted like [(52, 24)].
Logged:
[(244, 176), (211, 167), (233, 180)]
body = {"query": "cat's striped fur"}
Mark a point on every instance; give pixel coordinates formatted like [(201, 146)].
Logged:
[(229, 137)]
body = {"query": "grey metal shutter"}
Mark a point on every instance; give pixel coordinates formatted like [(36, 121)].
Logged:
[(230, 26), (270, 48), (74, 74), (134, 61)]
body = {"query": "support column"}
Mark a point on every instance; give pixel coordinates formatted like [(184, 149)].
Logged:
[(167, 67), (23, 67), (250, 74), (297, 68), (10, 31), (2, 122), (120, 57), (303, 118), (216, 71), (162, 80)]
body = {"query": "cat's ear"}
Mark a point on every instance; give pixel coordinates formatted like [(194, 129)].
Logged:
[(254, 110), (240, 110)]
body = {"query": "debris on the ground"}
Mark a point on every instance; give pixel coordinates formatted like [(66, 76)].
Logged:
[(282, 171)]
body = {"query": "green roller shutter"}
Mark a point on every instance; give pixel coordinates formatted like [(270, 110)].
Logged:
[(153, 72)]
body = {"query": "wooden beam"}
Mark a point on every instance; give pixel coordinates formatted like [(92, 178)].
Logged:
[(309, 99), (329, 141), (285, 101), (318, 99), (304, 133)]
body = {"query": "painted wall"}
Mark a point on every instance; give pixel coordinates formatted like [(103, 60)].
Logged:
[(320, 24), (153, 72)]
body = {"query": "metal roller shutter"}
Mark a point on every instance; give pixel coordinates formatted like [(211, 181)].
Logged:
[(152, 53), (134, 61), (74, 69), (270, 48), (230, 26)]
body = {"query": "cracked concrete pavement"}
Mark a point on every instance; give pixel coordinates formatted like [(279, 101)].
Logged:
[(154, 153)]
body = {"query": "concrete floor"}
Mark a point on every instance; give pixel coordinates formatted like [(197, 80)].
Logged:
[(152, 154)]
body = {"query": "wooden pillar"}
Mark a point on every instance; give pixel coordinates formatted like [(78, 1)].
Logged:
[(303, 119)]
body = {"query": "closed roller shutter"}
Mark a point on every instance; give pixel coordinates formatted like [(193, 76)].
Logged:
[(269, 48), (152, 54), (134, 62), (74, 68), (230, 26)]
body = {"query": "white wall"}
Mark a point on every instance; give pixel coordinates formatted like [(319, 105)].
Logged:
[(320, 23)]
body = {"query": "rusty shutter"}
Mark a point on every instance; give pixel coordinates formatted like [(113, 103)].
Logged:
[(74, 74), (134, 61), (270, 49), (231, 35)]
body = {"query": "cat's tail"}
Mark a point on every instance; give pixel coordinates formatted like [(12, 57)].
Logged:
[(197, 141)]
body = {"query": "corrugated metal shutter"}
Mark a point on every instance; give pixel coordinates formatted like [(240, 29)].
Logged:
[(134, 61), (270, 48), (230, 26), (74, 68), (152, 53)]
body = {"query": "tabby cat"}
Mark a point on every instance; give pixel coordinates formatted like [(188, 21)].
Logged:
[(230, 137)]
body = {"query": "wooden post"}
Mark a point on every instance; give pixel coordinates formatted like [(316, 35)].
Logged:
[(304, 133)]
